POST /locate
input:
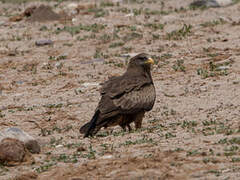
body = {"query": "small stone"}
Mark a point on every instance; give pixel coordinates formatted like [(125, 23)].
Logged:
[(3, 50), (129, 15), (59, 65), (72, 6), (204, 3), (81, 148), (31, 144), (78, 90), (44, 42), (74, 20), (90, 84), (129, 55), (13, 152), (93, 61), (59, 146), (107, 157), (222, 68), (2, 23), (223, 3), (211, 3)]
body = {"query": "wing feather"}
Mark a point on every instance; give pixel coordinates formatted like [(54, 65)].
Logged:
[(123, 95), (136, 100), (116, 86)]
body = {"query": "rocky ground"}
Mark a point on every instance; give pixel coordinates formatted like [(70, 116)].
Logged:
[(50, 91)]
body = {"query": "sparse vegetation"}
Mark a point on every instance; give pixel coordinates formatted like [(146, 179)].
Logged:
[(180, 34), (73, 30), (50, 91)]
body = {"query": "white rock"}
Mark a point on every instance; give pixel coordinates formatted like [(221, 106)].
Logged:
[(129, 55), (224, 2), (3, 50), (15, 133), (72, 6), (90, 84), (129, 15), (59, 65), (59, 146), (222, 67), (107, 157), (74, 20)]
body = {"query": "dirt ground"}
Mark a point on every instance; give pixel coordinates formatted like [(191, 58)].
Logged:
[(50, 91)]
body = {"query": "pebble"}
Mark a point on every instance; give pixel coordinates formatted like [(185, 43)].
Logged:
[(3, 50), (43, 42), (13, 152), (59, 146), (16, 133), (93, 61), (211, 3), (90, 84), (222, 68), (59, 65)]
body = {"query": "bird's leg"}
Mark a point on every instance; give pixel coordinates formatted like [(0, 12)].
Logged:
[(129, 127), (123, 127), (138, 120)]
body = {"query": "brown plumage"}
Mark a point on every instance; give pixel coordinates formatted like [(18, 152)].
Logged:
[(125, 98)]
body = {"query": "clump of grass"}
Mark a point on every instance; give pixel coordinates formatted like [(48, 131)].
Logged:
[(73, 30), (178, 66), (180, 34), (193, 153), (45, 167), (98, 12), (131, 36), (116, 44), (155, 26), (106, 4), (213, 23), (137, 12), (169, 135), (155, 12), (189, 124), (124, 10), (135, 1), (105, 38), (138, 141), (66, 158), (51, 106), (213, 69)]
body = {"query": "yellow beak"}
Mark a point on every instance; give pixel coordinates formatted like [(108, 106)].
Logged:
[(149, 61)]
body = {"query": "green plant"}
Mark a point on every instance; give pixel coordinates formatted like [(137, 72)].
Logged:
[(180, 34)]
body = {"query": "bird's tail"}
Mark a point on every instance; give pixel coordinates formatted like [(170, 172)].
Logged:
[(88, 128)]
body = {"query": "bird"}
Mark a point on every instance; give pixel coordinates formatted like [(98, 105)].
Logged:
[(125, 98)]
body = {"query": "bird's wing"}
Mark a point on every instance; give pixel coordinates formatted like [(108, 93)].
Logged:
[(116, 86), (126, 95), (137, 99)]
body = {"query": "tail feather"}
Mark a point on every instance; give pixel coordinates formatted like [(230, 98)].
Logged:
[(88, 128)]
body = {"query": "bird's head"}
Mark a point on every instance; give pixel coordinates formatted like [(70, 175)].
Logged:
[(141, 60)]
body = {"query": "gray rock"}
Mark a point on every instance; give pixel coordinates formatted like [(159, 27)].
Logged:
[(211, 3), (43, 42), (31, 144), (204, 3), (93, 61)]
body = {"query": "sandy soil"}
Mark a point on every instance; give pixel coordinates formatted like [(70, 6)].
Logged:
[(50, 91)]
